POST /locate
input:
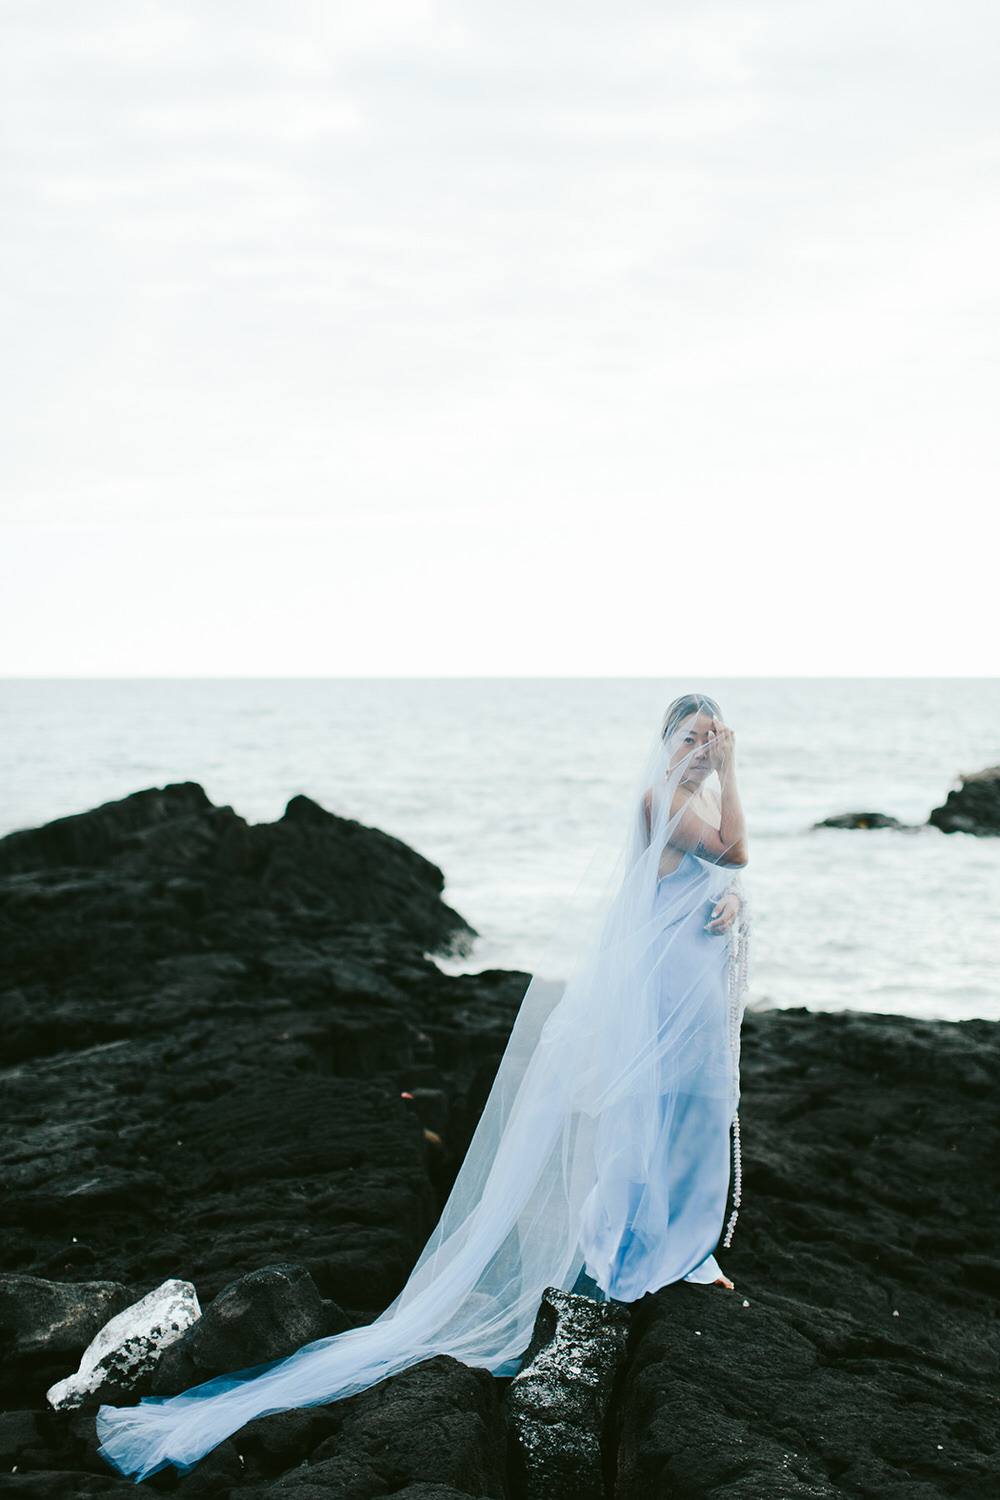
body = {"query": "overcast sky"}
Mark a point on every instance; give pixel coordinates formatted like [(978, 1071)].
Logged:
[(395, 337)]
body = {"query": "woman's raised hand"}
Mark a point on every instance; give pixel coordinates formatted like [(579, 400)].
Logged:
[(721, 748)]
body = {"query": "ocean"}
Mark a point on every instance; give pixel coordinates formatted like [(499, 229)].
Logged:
[(514, 785)]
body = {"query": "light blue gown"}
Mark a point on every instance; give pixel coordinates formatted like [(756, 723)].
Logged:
[(659, 1209)]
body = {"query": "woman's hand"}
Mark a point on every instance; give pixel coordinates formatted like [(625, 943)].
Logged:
[(721, 748), (724, 913)]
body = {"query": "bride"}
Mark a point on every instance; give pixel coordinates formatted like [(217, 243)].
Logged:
[(603, 1159)]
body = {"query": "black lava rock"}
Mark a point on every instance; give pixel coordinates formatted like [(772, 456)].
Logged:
[(225, 1047), (860, 820), (559, 1400), (38, 1316), (973, 806), (265, 1315)]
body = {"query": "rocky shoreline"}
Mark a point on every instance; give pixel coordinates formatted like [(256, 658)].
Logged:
[(230, 1061)]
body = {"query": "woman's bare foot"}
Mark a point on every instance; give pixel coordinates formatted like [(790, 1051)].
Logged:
[(724, 1281)]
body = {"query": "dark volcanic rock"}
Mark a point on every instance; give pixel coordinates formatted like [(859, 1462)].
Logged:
[(435, 1429), (205, 1086), (221, 1056), (866, 1362), (262, 1316), (860, 820), (167, 857), (973, 806), (559, 1399), (18, 1430), (55, 1317), (438, 1422)]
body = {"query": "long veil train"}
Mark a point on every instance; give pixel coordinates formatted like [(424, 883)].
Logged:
[(602, 1159)]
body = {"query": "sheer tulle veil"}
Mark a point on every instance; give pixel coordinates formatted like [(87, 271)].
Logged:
[(606, 1159)]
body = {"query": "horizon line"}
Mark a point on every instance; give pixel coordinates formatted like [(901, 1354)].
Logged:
[(504, 677)]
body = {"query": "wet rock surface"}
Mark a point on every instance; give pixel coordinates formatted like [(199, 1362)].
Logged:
[(560, 1399), (230, 1060)]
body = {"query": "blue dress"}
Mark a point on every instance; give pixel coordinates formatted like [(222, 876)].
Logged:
[(664, 1198)]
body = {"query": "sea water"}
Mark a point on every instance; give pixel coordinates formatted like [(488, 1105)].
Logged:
[(514, 787)]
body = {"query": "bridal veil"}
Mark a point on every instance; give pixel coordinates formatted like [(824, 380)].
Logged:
[(602, 1161)]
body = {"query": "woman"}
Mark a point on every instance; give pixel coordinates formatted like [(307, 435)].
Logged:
[(676, 1184), (601, 1160)]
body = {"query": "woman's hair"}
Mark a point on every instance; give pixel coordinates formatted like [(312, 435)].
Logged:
[(684, 706)]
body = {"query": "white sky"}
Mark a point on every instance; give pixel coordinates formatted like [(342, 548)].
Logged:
[(561, 337)]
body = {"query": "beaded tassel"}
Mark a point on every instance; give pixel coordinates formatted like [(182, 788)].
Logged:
[(737, 1185), (739, 954)]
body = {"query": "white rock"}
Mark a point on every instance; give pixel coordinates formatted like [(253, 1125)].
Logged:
[(131, 1343)]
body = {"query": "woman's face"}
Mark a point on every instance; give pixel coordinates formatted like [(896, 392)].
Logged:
[(691, 746)]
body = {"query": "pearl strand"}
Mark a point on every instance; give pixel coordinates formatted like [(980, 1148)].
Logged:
[(738, 978), (737, 1185)]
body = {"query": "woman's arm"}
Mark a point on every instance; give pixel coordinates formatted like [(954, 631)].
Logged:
[(727, 844)]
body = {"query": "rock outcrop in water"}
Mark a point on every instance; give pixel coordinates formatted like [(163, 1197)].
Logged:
[(973, 806), (861, 820), (230, 1062)]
